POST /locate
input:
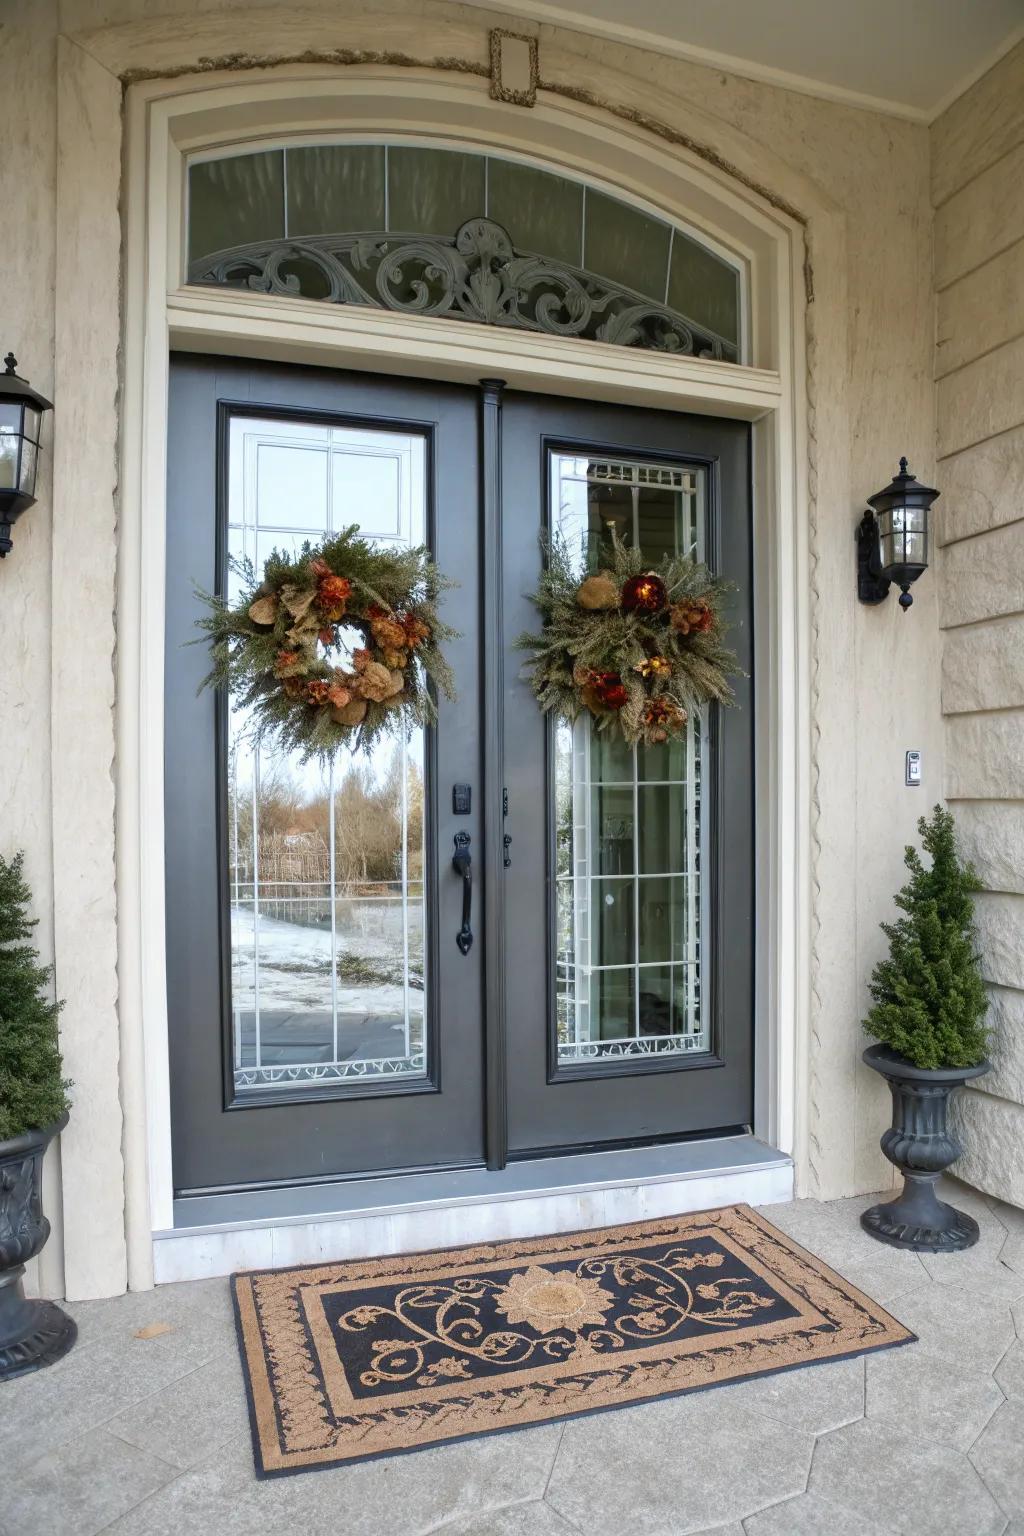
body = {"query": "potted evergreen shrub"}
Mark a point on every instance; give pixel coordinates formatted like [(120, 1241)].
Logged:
[(928, 1017), (33, 1109)]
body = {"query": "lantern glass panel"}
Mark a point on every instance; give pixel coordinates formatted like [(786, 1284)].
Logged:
[(915, 549), (903, 536), (32, 420), (27, 479), (10, 442)]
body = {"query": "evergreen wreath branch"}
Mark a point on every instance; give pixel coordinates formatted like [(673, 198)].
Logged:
[(637, 647), (282, 647)]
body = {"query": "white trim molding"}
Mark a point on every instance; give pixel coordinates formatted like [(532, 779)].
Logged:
[(167, 121)]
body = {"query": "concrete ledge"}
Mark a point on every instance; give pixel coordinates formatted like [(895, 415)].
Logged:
[(382, 1216)]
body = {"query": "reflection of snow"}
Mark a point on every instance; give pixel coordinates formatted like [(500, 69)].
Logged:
[(295, 963)]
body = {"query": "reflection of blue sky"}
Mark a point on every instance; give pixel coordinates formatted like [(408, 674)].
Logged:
[(311, 780)]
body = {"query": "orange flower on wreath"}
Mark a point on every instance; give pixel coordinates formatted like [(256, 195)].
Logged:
[(416, 630), (332, 594), (287, 663), (318, 691), (610, 690), (388, 633), (694, 616), (644, 594), (338, 695), (654, 666), (663, 717)]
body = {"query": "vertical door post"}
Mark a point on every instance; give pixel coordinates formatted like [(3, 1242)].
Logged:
[(494, 773)]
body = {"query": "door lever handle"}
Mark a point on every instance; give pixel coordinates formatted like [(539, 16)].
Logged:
[(462, 863)]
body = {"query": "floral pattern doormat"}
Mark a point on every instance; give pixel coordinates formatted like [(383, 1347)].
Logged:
[(374, 1356)]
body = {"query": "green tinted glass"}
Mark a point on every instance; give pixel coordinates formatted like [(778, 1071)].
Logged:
[(234, 201), (335, 189), (626, 245), (703, 287), (433, 191), (542, 213)]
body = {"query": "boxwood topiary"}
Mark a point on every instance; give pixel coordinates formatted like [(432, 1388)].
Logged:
[(929, 997), (33, 1089)]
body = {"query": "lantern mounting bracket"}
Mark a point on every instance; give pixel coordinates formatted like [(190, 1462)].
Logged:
[(872, 586)]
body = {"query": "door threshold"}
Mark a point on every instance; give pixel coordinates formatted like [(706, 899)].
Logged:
[(264, 1229)]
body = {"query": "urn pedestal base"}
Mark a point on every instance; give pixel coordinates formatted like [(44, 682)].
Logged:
[(918, 1219), (920, 1144), (32, 1333)]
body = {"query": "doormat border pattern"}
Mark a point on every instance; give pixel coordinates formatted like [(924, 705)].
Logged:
[(303, 1415)]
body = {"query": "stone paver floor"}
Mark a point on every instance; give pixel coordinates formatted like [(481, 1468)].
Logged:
[(141, 1430)]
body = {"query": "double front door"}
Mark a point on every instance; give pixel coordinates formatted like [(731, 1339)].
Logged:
[(324, 1019)]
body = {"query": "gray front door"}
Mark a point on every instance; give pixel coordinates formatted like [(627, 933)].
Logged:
[(323, 1020), (629, 899)]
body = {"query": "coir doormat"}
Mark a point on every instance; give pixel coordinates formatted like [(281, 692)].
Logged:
[(371, 1357)]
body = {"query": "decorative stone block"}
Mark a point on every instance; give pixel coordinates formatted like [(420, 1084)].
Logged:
[(1006, 1048), (981, 311), (985, 216), (985, 397), (978, 128), (992, 1133), (983, 667), (1000, 921), (984, 577), (514, 67), (982, 488), (985, 757), (990, 835)]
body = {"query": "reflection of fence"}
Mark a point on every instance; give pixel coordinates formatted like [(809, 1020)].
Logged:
[(307, 903)]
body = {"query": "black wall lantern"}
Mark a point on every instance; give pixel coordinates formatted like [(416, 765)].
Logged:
[(21, 416), (892, 540)]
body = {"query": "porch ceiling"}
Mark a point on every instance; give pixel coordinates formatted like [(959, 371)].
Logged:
[(911, 59)]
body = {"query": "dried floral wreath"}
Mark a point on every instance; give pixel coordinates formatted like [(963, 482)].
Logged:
[(284, 646), (637, 648)]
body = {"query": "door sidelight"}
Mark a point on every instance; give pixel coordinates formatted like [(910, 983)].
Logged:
[(462, 863)]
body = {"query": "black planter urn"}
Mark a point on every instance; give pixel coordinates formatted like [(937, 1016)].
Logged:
[(32, 1333), (920, 1144)]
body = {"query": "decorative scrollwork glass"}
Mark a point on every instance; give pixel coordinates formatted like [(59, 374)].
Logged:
[(436, 232)]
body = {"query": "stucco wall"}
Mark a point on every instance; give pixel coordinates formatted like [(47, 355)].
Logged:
[(977, 176), (862, 182)]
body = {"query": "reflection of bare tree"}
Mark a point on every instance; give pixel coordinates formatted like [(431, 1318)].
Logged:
[(368, 824), (292, 827)]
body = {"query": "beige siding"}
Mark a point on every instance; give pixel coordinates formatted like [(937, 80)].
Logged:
[(985, 216), (977, 171)]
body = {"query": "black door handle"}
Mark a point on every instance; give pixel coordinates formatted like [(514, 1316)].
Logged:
[(462, 863)]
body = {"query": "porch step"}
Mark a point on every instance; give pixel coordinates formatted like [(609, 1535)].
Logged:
[(217, 1234)]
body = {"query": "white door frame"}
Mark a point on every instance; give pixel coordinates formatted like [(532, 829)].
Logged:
[(168, 120)]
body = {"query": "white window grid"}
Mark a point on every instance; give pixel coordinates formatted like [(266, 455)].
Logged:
[(578, 974), (252, 536)]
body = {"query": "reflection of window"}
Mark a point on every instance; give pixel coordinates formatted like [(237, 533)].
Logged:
[(628, 833), (309, 192), (325, 866)]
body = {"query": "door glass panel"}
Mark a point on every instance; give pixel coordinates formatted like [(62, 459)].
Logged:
[(628, 832), (326, 866)]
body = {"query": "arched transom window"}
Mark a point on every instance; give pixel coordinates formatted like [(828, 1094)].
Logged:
[(466, 235)]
